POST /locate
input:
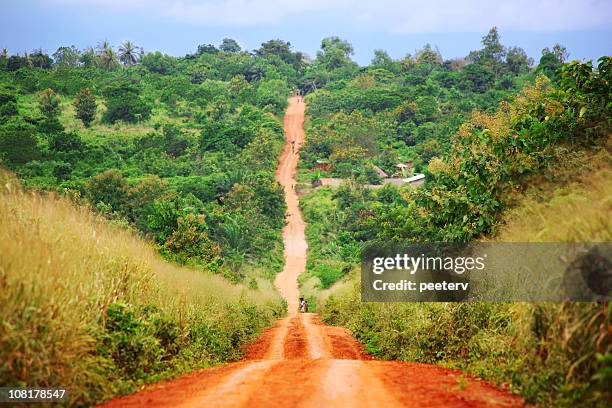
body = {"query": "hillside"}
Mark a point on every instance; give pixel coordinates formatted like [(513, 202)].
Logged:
[(510, 176), (161, 214), (96, 309)]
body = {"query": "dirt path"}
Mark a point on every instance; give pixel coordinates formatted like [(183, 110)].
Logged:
[(301, 362)]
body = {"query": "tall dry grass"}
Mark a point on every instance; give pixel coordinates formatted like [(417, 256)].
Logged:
[(61, 267), (576, 207), (554, 354)]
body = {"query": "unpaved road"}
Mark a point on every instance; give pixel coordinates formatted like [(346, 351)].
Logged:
[(301, 362)]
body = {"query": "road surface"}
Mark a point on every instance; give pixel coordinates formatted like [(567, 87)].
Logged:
[(301, 362)]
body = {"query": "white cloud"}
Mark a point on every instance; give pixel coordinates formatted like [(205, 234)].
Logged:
[(392, 16)]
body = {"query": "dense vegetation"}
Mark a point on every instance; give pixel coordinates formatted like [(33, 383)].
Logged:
[(181, 149), (403, 111), (551, 136), (182, 152), (124, 146), (91, 307)]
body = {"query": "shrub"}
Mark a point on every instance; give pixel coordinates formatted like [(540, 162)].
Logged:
[(123, 102), (8, 109), (85, 105), (190, 243), (62, 170), (49, 103), (109, 188), (65, 142), (18, 144), (175, 143)]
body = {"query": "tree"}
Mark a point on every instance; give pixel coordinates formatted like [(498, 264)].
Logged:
[(492, 54), (158, 62), (65, 142), (40, 59), (4, 57), (206, 49), (88, 57), (106, 57), (281, 49), (551, 61), (517, 60), (123, 102), (67, 57), (383, 60), (559, 51), (109, 188), (190, 242), (334, 53), (49, 103), (429, 55), (15, 62), (129, 54), (18, 144), (175, 143), (85, 106), (480, 78), (230, 45), (8, 104)]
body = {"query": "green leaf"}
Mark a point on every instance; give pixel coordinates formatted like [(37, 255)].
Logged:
[(582, 111)]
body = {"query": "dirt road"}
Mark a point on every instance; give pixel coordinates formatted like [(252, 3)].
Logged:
[(301, 362)]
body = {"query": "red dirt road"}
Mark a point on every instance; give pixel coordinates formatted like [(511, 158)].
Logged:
[(301, 362)]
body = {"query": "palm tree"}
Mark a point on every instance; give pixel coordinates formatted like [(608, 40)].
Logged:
[(107, 58), (103, 46), (129, 53), (4, 54), (27, 61)]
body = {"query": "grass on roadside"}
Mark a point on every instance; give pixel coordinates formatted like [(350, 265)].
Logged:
[(90, 306)]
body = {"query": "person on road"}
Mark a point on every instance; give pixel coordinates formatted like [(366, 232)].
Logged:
[(303, 306), (293, 146)]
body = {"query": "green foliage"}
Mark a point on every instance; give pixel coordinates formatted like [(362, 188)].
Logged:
[(68, 142), (85, 106), (18, 144), (175, 143), (189, 242), (8, 110), (123, 102), (108, 188), (49, 103), (230, 45), (545, 352), (554, 355), (158, 63)]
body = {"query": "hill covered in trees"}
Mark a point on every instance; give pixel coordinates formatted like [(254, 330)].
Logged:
[(181, 149), (182, 152), (523, 158)]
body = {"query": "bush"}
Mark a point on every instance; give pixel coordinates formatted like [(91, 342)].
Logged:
[(175, 143), (8, 109), (123, 102), (190, 243), (49, 103), (109, 188), (18, 144), (91, 307), (62, 170), (85, 106), (66, 142)]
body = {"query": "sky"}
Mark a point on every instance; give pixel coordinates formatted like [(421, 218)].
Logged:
[(176, 27)]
